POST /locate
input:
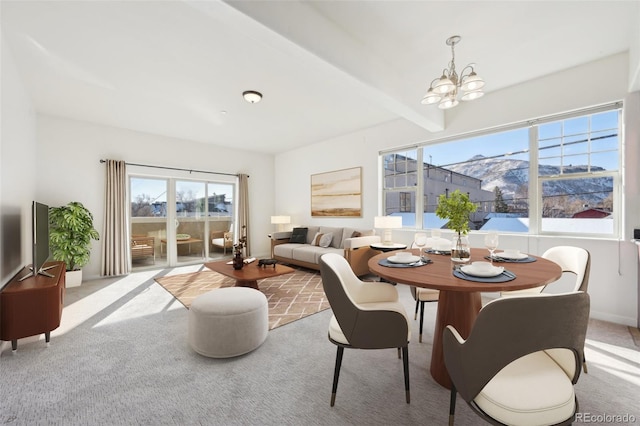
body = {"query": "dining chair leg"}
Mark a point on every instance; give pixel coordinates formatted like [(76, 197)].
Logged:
[(452, 405), (584, 364), (399, 353), (336, 374), (421, 320), (405, 363), (415, 315)]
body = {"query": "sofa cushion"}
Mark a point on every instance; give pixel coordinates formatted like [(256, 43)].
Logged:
[(298, 236), (349, 233), (311, 254), (337, 235), (311, 232), (325, 240), (285, 250)]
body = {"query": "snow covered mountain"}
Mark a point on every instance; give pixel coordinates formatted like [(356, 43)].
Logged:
[(512, 177)]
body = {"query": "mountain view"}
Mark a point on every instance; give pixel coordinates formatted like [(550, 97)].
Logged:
[(512, 177)]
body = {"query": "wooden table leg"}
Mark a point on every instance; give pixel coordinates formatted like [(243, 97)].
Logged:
[(252, 284), (459, 309)]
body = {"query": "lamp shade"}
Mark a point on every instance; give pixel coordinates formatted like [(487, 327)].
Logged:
[(448, 102), (444, 85), (431, 97), (474, 94), (387, 222), (280, 219), (472, 82)]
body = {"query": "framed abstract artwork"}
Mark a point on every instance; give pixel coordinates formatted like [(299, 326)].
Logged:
[(337, 193)]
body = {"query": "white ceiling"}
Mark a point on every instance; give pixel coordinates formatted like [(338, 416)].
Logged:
[(325, 68)]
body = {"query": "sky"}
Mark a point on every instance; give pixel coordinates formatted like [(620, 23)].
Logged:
[(514, 141)]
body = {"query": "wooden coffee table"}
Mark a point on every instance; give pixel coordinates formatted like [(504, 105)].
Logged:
[(249, 275)]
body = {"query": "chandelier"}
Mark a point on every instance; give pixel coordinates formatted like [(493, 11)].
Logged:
[(446, 88)]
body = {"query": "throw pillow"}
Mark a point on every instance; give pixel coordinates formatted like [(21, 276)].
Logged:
[(325, 240), (356, 234), (316, 239), (298, 236)]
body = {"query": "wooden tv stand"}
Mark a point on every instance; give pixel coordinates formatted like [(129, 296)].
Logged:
[(32, 306)]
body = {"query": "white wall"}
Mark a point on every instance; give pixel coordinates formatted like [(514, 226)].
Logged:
[(17, 169), (69, 168), (613, 284)]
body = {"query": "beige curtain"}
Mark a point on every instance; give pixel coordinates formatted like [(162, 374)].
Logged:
[(115, 244), (243, 209)]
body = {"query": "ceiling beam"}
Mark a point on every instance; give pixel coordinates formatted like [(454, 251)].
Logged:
[(298, 30)]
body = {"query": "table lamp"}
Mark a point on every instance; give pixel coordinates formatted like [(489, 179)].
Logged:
[(387, 223), (280, 221)]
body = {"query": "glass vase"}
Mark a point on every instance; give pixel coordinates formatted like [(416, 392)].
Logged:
[(460, 249)]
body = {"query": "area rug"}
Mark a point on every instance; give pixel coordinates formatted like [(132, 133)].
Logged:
[(290, 296)]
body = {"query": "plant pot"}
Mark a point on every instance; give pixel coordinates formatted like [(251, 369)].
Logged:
[(73, 278), (238, 261)]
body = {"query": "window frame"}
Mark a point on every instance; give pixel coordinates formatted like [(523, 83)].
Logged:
[(535, 181)]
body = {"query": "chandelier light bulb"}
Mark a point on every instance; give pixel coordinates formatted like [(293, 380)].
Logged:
[(431, 97), (448, 102), (444, 85), (472, 82), (469, 96)]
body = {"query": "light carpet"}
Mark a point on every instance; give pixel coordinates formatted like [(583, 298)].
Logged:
[(290, 296), (121, 356)]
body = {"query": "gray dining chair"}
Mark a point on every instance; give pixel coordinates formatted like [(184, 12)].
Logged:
[(517, 366), (366, 315)]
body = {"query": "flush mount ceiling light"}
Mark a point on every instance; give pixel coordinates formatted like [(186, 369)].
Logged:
[(252, 96), (446, 88)]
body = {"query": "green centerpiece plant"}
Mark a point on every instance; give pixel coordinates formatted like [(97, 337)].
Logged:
[(70, 233), (457, 208)]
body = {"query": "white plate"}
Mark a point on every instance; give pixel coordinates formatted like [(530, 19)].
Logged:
[(492, 272), (182, 237), (403, 259), (512, 256)]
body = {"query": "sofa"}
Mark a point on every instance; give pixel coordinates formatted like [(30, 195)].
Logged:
[(309, 243)]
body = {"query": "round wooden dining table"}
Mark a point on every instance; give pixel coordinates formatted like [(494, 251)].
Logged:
[(459, 301)]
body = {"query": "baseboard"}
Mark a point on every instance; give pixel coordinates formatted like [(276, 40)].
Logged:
[(616, 319)]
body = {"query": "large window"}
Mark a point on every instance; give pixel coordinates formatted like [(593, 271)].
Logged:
[(556, 175)]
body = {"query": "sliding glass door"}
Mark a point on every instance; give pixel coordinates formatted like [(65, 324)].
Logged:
[(148, 221), (176, 222)]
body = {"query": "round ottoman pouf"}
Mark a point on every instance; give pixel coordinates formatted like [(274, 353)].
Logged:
[(228, 322)]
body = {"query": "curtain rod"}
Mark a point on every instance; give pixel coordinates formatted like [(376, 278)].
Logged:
[(178, 168)]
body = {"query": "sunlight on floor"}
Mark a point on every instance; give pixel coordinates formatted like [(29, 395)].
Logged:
[(623, 363), (110, 299)]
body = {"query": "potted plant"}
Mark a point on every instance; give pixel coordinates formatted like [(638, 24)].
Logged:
[(70, 233), (238, 260), (457, 208)]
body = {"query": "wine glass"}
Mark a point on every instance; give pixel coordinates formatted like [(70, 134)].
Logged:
[(420, 240), (491, 243)]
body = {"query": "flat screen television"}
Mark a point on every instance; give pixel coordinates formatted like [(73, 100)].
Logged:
[(40, 239)]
